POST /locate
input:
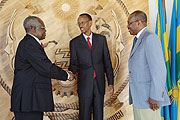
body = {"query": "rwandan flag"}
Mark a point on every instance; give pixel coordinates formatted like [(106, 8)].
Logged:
[(161, 31), (174, 44), (178, 53)]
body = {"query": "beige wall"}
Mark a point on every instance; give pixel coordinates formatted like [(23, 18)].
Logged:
[(60, 17)]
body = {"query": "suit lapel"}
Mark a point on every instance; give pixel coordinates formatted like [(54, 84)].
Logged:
[(94, 41), (35, 42), (83, 41), (139, 40)]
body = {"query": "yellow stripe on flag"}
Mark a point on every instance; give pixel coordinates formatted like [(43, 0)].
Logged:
[(162, 118), (166, 46), (178, 40)]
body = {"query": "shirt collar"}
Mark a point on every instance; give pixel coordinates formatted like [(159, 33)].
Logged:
[(85, 36), (35, 38), (139, 33)]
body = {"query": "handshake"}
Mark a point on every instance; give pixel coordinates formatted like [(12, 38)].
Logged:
[(72, 76)]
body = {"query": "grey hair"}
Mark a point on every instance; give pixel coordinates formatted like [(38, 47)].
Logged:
[(31, 21)]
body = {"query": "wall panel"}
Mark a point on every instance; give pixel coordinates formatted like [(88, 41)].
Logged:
[(60, 17)]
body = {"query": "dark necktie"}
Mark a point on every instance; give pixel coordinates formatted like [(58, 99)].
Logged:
[(42, 45), (90, 46), (134, 42)]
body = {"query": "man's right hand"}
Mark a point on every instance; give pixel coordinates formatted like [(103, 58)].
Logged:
[(154, 104), (71, 76)]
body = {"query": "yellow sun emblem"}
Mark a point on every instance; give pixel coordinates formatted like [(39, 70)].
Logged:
[(66, 9), (174, 96)]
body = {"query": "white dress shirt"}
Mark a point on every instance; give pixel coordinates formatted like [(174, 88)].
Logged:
[(90, 40)]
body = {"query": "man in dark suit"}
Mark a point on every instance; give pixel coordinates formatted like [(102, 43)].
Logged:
[(90, 58), (32, 89)]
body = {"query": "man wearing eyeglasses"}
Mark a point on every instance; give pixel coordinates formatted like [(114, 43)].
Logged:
[(32, 89), (147, 71), (90, 59)]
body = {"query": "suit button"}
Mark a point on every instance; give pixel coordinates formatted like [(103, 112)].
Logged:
[(129, 71)]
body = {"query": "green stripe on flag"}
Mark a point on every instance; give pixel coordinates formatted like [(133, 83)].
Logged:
[(168, 78)]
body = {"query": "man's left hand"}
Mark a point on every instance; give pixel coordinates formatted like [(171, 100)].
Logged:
[(154, 104), (111, 90)]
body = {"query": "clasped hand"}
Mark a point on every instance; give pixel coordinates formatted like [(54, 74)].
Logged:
[(71, 75)]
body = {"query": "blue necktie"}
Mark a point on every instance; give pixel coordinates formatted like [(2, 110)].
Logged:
[(134, 42)]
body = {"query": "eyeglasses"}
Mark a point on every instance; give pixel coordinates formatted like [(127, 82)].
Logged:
[(129, 23), (41, 27), (83, 22)]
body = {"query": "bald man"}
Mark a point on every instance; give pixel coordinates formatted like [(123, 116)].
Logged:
[(147, 70)]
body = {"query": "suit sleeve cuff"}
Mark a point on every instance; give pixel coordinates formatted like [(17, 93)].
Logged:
[(68, 75)]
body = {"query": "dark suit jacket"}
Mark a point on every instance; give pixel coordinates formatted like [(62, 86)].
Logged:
[(84, 61), (32, 89)]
